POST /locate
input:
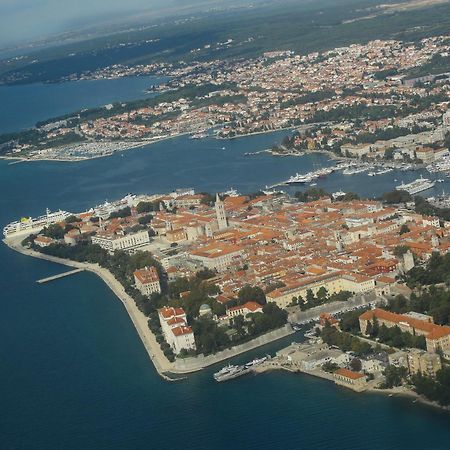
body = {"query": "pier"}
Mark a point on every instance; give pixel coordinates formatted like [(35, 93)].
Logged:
[(59, 275)]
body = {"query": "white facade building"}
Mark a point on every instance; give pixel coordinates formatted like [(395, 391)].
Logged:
[(147, 281), (175, 329), (126, 242)]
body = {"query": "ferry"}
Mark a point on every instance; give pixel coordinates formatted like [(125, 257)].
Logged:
[(416, 186), (105, 209), (28, 224), (229, 372)]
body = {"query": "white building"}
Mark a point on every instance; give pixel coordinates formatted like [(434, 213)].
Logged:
[(126, 242), (175, 329), (218, 255), (147, 281), (243, 310)]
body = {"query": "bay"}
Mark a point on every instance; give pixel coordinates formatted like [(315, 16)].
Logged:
[(24, 105), (75, 375)]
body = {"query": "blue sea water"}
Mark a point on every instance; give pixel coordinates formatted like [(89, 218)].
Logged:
[(24, 105), (74, 374)]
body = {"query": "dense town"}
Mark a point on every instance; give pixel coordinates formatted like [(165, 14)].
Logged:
[(213, 272), (364, 99)]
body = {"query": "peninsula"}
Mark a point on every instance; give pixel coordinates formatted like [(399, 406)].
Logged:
[(205, 277)]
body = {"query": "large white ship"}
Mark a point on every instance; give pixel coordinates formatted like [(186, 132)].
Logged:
[(28, 224), (105, 209), (416, 186)]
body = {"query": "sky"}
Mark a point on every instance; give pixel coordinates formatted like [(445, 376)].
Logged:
[(24, 20)]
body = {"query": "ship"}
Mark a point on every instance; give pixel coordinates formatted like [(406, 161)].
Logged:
[(30, 224), (229, 372), (200, 135), (354, 170), (105, 209), (416, 186), (256, 362), (338, 194)]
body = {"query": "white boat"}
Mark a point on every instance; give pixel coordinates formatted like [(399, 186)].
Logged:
[(338, 194), (416, 186), (229, 372)]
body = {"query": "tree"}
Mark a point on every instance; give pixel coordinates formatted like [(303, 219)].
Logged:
[(310, 298), (404, 229), (322, 295), (124, 212), (394, 376), (400, 250), (53, 231), (251, 293), (355, 364)]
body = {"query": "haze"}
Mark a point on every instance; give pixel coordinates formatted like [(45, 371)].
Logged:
[(24, 20)]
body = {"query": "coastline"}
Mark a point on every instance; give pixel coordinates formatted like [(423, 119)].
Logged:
[(398, 391), (162, 365)]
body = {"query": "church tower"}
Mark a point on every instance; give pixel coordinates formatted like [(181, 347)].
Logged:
[(220, 214)]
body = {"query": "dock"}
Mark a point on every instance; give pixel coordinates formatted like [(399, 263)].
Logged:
[(59, 275)]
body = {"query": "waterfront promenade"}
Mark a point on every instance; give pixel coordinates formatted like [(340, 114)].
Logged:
[(162, 365)]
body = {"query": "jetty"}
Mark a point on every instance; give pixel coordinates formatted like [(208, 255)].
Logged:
[(59, 275)]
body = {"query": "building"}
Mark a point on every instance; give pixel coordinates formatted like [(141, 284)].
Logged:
[(333, 282), (43, 241), (175, 329), (221, 214), (436, 336), (218, 255), (121, 241), (420, 361), (243, 310), (147, 281), (348, 378)]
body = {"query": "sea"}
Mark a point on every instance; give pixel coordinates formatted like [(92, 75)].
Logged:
[(73, 371)]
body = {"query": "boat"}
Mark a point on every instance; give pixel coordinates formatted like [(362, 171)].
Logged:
[(29, 224), (256, 362), (198, 136), (416, 186), (338, 194), (354, 170), (229, 372), (230, 193)]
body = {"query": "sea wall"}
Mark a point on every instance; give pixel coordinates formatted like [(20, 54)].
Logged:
[(199, 362)]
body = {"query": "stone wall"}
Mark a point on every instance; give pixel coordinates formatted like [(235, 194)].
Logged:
[(199, 362)]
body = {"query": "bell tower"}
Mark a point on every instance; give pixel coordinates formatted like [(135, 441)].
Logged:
[(220, 213)]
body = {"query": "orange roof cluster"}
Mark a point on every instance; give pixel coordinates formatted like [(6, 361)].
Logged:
[(169, 312), (432, 330), (147, 275), (349, 374)]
